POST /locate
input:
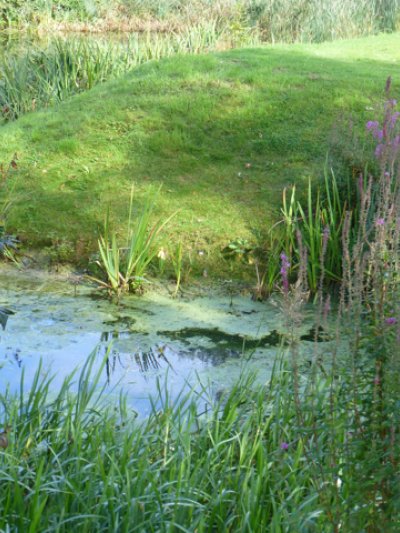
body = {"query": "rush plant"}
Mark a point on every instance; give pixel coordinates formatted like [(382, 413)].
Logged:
[(320, 224), (125, 267)]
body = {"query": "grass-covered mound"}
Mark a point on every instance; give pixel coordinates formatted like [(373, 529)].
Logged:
[(223, 133)]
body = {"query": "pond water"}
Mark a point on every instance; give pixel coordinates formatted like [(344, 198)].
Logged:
[(208, 338)]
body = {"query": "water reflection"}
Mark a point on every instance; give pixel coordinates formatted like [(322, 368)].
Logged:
[(155, 359), (140, 342)]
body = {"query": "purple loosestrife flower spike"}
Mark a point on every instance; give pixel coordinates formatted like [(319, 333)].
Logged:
[(379, 151), (391, 320), (285, 265), (372, 125), (394, 118), (380, 222), (284, 445)]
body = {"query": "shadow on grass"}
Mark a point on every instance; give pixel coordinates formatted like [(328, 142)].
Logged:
[(223, 133)]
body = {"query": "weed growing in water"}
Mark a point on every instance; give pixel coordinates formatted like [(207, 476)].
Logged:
[(176, 256), (125, 267), (320, 224)]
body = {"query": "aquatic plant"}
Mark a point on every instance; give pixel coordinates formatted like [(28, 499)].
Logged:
[(125, 267), (320, 224), (176, 256)]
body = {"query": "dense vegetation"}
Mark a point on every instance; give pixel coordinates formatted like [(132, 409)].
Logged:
[(272, 20), (222, 133), (316, 448)]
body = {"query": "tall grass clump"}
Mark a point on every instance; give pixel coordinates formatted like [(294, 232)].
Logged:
[(42, 77), (320, 224), (22, 14), (316, 221), (70, 459), (124, 267)]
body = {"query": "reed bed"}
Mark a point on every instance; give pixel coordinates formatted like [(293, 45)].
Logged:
[(39, 77), (276, 20)]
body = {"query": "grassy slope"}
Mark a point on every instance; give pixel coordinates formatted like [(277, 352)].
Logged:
[(192, 124)]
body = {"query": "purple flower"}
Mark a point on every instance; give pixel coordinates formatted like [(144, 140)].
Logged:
[(372, 125), (285, 260), (391, 321), (285, 265), (379, 150), (284, 445), (380, 221), (394, 118)]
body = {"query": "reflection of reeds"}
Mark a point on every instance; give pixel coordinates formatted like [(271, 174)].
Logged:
[(150, 360), (146, 360)]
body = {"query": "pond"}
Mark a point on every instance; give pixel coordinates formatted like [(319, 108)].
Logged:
[(207, 338)]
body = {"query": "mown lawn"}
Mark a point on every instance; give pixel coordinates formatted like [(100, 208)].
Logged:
[(223, 133)]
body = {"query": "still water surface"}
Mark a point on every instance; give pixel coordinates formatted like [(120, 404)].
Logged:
[(210, 338)]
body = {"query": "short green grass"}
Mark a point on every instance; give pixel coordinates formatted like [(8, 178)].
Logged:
[(222, 133)]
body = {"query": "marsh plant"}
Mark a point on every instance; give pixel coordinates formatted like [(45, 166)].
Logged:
[(320, 224), (275, 20), (44, 76), (357, 380), (240, 467), (125, 267), (176, 256)]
